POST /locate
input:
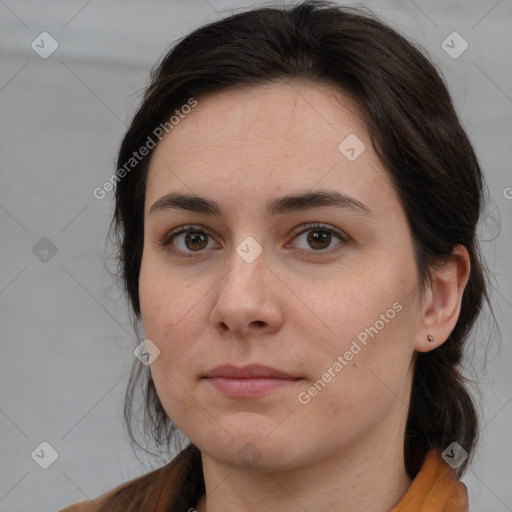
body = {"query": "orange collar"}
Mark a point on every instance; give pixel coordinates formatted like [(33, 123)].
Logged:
[(435, 487)]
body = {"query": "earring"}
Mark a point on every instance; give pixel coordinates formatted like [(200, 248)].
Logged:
[(430, 338)]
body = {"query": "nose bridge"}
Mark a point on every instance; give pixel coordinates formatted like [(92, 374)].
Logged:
[(243, 297), (247, 266)]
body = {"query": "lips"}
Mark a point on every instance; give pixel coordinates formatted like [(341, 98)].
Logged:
[(248, 372), (249, 381)]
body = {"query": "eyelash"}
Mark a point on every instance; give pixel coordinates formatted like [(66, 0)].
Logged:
[(167, 241)]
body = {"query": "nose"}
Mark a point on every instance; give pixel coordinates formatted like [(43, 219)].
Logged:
[(248, 299)]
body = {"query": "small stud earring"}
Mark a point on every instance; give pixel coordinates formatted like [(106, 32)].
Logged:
[(430, 338)]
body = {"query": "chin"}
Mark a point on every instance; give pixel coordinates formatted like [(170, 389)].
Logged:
[(245, 448)]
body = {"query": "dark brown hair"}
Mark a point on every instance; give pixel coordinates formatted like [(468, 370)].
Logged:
[(415, 131)]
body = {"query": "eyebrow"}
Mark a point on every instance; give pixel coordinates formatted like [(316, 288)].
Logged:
[(278, 206)]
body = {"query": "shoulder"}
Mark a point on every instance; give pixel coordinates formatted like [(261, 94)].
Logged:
[(93, 505), (142, 492)]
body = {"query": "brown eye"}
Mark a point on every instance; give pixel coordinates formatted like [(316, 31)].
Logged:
[(319, 237), (195, 240)]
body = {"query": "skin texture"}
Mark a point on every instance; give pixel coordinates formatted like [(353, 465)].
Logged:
[(296, 307)]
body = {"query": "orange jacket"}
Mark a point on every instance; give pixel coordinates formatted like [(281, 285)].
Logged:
[(178, 486)]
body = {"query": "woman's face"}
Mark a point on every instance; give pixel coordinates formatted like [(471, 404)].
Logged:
[(334, 306)]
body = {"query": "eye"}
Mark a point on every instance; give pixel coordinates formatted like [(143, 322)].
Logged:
[(195, 240), (320, 236)]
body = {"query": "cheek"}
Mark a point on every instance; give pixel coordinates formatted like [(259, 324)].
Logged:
[(163, 299), (364, 359), (171, 315), (351, 397), (153, 301), (165, 319)]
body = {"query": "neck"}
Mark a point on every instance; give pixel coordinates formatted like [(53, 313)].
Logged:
[(368, 476)]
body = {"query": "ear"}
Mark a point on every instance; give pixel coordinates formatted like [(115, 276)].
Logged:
[(442, 301)]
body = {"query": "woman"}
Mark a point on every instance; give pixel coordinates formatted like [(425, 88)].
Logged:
[(296, 205)]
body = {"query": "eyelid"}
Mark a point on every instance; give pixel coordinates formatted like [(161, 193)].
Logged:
[(166, 239), (319, 225)]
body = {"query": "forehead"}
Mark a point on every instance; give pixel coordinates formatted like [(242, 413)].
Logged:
[(264, 140)]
